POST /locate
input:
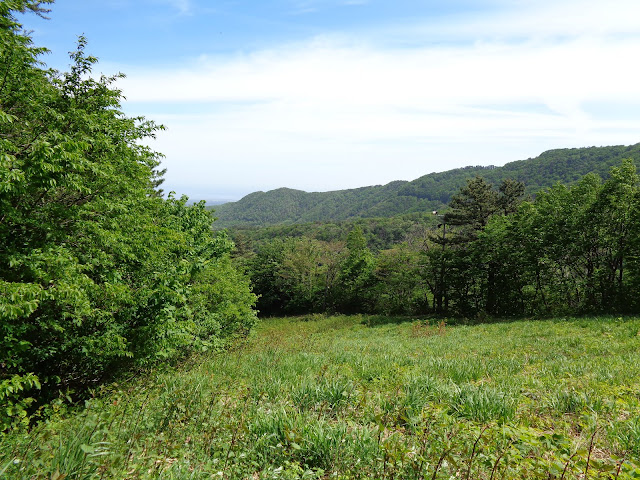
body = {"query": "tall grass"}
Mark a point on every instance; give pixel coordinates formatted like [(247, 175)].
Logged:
[(355, 397)]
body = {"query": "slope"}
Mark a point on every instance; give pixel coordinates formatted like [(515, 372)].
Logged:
[(432, 191)]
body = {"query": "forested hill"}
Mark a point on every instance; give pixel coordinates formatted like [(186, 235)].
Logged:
[(429, 192)]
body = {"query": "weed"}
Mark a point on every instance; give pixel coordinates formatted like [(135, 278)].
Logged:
[(330, 397), (425, 329)]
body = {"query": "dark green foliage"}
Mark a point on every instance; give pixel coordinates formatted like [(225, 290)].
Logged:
[(356, 274), (461, 273), (304, 275), (400, 286), (263, 268), (381, 233), (430, 192), (286, 206), (572, 250), (554, 166), (97, 272), (471, 208), (295, 275), (577, 245)]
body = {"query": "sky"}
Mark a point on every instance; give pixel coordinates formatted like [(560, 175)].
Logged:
[(322, 95)]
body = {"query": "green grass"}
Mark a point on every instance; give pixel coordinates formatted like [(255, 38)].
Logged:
[(361, 397)]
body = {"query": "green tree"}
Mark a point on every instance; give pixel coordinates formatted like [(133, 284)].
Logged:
[(467, 271), (356, 274), (570, 250), (617, 208), (468, 214), (263, 269), (399, 286), (302, 275), (296, 275), (471, 208), (97, 272)]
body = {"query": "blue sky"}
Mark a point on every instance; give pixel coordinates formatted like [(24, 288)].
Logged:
[(329, 94)]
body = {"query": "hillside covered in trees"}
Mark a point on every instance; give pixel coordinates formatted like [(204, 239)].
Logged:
[(429, 192), (571, 250)]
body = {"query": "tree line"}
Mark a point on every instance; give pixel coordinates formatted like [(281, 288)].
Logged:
[(572, 250)]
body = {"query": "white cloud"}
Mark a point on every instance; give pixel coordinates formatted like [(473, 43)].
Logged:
[(184, 7), (543, 18), (277, 116), (337, 78)]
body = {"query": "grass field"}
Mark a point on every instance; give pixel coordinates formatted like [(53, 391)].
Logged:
[(365, 397)]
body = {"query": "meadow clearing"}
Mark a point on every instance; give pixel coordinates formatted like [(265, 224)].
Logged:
[(364, 397)]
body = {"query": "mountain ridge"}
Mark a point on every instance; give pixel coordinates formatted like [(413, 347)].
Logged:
[(428, 192)]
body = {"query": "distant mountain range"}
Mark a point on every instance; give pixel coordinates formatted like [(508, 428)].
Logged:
[(429, 192)]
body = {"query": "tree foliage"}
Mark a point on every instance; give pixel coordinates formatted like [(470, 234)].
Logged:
[(97, 272), (430, 192), (574, 249), (580, 243)]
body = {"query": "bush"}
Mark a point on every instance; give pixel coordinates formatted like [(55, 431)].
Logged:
[(97, 272)]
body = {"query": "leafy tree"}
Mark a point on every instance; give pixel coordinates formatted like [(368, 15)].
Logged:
[(588, 231), (97, 272), (467, 275), (399, 287), (296, 275), (263, 269), (356, 273), (501, 246), (568, 251), (617, 206), (302, 275)]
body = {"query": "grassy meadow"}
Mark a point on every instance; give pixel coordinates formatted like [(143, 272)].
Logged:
[(364, 397)]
